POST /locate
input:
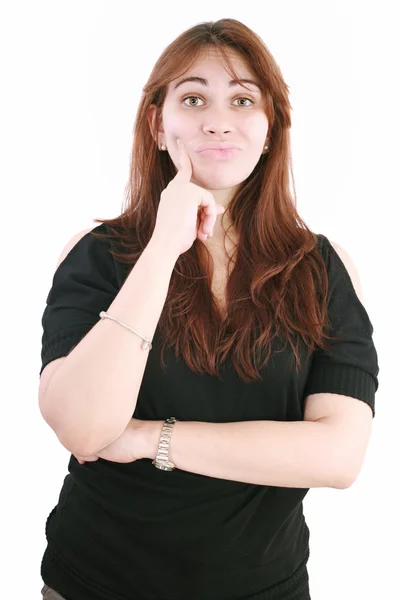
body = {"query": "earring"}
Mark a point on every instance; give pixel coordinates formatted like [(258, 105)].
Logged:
[(266, 147), (162, 147)]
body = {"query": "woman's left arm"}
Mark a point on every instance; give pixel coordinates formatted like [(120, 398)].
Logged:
[(302, 454)]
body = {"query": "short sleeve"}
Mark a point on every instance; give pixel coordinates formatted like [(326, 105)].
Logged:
[(350, 366), (83, 285)]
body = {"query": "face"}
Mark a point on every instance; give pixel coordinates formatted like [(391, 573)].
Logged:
[(200, 114)]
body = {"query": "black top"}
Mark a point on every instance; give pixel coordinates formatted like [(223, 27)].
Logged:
[(134, 532)]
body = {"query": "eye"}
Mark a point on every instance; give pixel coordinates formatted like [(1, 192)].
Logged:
[(194, 105)]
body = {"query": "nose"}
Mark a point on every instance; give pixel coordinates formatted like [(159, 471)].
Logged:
[(219, 130), (216, 121)]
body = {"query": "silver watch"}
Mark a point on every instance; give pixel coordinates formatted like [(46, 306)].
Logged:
[(161, 460)]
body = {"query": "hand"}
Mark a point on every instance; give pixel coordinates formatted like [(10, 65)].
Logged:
[(186, 211), (128, 447)]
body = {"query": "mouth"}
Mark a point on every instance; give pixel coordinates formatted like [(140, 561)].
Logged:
[(226, 153)]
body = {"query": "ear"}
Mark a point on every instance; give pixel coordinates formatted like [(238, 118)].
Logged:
[(151, 118)]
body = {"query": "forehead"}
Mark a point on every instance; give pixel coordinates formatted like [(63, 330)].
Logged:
[(209, 68)]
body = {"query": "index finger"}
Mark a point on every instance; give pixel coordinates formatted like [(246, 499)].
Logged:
[(185, 164)]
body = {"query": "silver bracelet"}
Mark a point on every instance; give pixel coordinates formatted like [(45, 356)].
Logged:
[(146, 344), (162, 461)]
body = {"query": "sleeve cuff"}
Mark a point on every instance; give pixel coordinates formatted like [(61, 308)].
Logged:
[(343, 379)]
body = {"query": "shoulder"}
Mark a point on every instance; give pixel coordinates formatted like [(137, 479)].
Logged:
[(71, 243), (350, 267)]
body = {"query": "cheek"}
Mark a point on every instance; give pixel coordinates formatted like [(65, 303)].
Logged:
[(257, 129), (176, 124), (256, 123)]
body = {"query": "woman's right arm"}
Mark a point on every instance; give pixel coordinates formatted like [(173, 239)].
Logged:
[(92, 394)]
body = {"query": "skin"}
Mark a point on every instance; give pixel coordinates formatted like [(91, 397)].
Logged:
[(133, 444), (195, 114)]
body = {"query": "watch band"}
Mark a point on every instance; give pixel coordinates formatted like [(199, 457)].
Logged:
[(161, 461)]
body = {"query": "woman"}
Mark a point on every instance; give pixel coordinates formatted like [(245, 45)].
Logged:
[(210, 300)]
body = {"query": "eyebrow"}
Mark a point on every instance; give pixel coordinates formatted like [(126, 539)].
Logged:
[(203, 81)]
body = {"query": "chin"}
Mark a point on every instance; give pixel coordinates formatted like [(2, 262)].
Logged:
[(217, 181)]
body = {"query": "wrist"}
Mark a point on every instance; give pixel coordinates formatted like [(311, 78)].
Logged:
[(163, 250)]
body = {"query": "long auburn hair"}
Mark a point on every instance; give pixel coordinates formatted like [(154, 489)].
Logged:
[(279, 283)]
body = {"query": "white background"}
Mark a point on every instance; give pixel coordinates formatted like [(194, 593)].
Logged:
[(71, 77)]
